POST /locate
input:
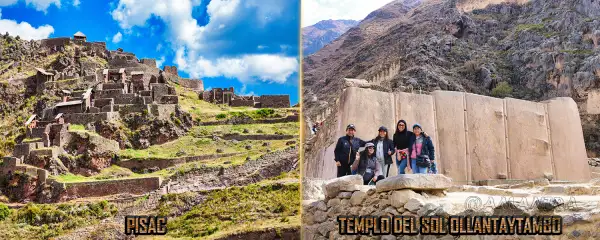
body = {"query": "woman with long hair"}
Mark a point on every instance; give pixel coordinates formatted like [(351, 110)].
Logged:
[(402, 138), (384, 149)]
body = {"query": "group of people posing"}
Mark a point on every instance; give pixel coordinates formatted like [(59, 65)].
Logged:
[(414, 151)]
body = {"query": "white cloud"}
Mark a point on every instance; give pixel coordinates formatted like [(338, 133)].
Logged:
[(195, 45), (243, 91), (261, 47), (160, 62), (262, 67), (40, 5), (159, 47), (117, 37), (314, 11), (24, 30), (4, 3), (43, 5), (76, 3)]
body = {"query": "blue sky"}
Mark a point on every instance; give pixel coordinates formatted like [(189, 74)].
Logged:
[(251, 45)]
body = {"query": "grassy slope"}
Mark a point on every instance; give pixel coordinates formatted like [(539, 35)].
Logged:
[(43, 221), (239, 209)]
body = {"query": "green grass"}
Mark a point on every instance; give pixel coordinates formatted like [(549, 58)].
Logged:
[(292, 128), (192, 146), (43, 221), (30, 140), (77, 127), (237, 208), (112, 172)]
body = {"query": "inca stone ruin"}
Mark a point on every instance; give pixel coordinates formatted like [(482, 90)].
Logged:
[(476, 137)]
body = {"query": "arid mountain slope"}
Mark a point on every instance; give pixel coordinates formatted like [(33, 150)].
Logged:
[(542, 49), (322, 33)]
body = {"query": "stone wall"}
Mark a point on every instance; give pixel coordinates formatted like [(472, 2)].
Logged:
[(162, 111), (195, 84), (112, 93), (52, 43), (475, 137), (111, 187), (406, 195), (151, 62), (85, 118), (274, 101), (131, 108), (75, 108), (169, 99), (141, 164), (171, 70), (240, 102), (101, 102)]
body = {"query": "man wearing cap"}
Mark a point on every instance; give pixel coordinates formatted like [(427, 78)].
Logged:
[(346, 150)]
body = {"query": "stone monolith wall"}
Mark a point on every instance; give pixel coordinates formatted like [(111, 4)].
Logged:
[(476, 137)]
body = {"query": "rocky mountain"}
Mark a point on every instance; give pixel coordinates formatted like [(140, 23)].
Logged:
[(532, 50), (322, 33)]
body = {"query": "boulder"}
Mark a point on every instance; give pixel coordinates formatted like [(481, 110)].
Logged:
[(319, 205), (399, 198), (344, 195), (319, 217), (333, 202), (510, 208), (357, 198), (547, 204), (337, 185), (576, 217), (414, 204), (414, 181), (312, 189)]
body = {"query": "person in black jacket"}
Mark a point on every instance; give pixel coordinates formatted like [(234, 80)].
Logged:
[(345, 151), (401, 143), (384, 149), (420, 145), (368, 166)]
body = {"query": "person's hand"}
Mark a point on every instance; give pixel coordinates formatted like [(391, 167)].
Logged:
[(338, 164), (425, 134), (374, 179), (357, 156), (390, 152)]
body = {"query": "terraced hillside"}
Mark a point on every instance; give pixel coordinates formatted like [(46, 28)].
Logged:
[(91, 135)]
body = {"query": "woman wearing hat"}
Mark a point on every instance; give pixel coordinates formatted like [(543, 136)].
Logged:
[(421, 150), (384, 149), (366, 164)]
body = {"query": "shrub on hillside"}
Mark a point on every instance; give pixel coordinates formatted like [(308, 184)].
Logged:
[(221, 116), (4, 211), (503, 89), (265, 112)]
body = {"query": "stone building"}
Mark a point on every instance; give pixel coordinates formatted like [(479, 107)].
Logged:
[(151, 62), (79, 36), (41, 77), (171, 70), (273, 101), (227, 96), (115, 75), (218, 95)]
